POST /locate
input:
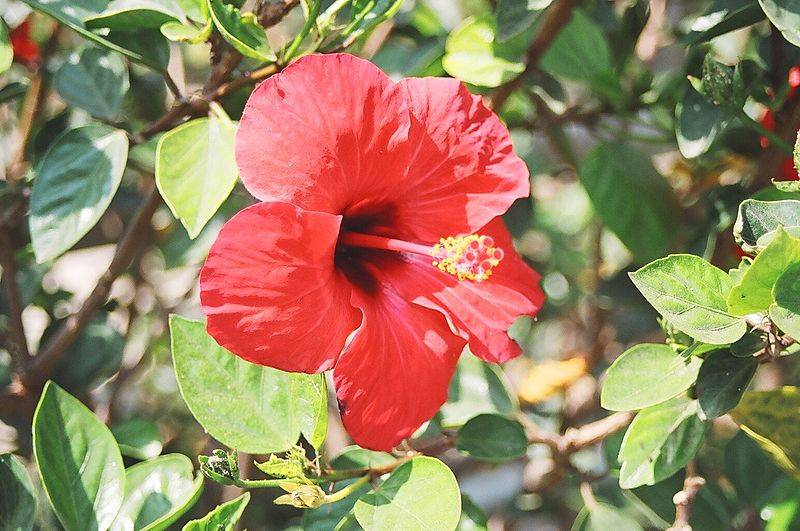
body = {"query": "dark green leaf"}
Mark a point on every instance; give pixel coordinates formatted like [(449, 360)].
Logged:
[(660, 441), (79, 462), (225, 394), (758, 218), (138, 438), (580, 52), (750, 470), (733, 19), (492, 438), (13, 90), (94, 357), (477, 387), (516, 16), (718, 82), (631, 197), (95, 80), (421, 494), (18, 502), (472, 517), (223, 518), (785, 15), (697, 123), (749, 344), (129, 15), (722, 380), (157, 492), (196, 169), (646, 375), (691, 294), (241, 30), (74, 184)]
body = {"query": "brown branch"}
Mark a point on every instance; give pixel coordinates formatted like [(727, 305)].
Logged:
[(271, 13), (575, 439), (555, 18), (684, 499)]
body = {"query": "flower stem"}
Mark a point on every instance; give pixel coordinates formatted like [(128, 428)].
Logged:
[(347, 491)]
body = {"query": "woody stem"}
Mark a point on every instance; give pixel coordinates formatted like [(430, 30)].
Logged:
[(369, 241)]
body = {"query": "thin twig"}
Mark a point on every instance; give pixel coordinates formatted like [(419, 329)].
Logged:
[(684, 499), (270, 13)]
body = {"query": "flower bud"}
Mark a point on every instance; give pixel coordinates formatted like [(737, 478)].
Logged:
[(302, 496)]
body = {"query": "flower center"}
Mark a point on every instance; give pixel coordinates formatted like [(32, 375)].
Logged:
[(470, 257)]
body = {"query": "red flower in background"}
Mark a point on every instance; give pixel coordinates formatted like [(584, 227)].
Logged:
[(787, 170), (347, 264), (26, 51)]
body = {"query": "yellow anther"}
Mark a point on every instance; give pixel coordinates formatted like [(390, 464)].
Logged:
[(467, 257)]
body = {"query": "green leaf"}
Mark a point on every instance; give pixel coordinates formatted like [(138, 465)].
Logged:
[(476, 387), (92, 359), (722, 381), (223, 518), (492, 438), (516, 16), (646, 375), (772, 419), (128, 15), (6, 51), (472, 55), (580, 52), (690, 293), (754, 292), (95, 80), (138, 438), (226, 395), (726, 21), (74, 184), (785, 15), (336, 515), (750, 470), (421, 494), (242, 31), (604, 517), (697, 123), (179, 32), (790, 187), (634, 201), (72, 13), (79, 461), (758, 218), (660, 441), (472, 517), (718, 83), (785, 312), (196, 170), (158, 492), (14, 90), (18, 502)]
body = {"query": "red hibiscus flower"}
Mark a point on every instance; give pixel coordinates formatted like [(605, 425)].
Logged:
[(26, 51), (377, 250), (787, 170)]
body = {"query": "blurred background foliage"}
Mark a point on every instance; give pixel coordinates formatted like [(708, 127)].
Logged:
[(626, 163)]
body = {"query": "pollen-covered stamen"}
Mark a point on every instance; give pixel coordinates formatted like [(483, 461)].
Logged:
[(467, 257)]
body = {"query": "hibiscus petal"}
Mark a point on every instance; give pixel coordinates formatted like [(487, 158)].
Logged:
[(463, 171), (481, 311), (271, 292), (394, 374), (326, 133)]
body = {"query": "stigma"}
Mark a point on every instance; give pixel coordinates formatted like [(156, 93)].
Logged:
[(470, 257)]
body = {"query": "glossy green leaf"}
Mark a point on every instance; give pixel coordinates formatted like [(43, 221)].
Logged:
[(421, 494), (772, 419), (727, 20), (697, 123), (74, 184), (516, 16), (223, 518), (646, 375), (753, 293), (604, 517), (580, 51), (472, 55), (79, 462), (338, 515), (136, 14), (659, 442), (722, 381), (785, 311), (72, 13), (631, 197), (492, 438), (785, 15), (138, 438), (758, 218), (18, 502), (6, 51), (472, 517), (95, 80), (157, 492), (691, 294), (196, 169), (226, 395), (476, 387), (241, 30)]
